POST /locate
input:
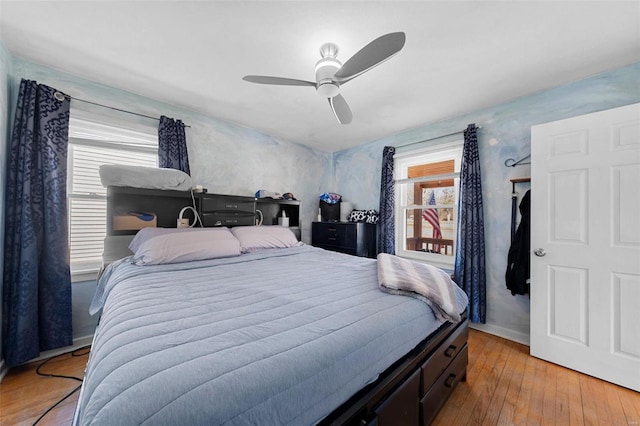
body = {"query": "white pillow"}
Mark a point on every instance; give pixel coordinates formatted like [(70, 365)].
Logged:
[(176, 247), (264, 237), (146, 234)]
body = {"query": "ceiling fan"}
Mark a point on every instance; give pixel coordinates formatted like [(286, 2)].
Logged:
[(331, 73)]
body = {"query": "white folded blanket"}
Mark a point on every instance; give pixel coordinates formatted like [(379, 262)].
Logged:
[(144, 177), (424, 282)]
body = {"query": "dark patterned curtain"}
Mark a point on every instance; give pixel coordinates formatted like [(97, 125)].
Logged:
[(386, 225), (36, 309), (172, 145), (469, 272)]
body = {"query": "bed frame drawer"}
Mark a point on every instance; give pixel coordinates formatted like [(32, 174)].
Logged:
[(444, 385), (401, 408), (442, 357)]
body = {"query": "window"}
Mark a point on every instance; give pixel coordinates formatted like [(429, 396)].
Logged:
[(427, 203), (91, 145)]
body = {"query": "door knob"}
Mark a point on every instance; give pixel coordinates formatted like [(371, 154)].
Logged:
[(539, 252)]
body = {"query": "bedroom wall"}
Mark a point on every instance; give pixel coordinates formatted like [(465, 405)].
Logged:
[(225, 157), (505, 134)]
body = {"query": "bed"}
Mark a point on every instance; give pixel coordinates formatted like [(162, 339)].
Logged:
[(289, 335)]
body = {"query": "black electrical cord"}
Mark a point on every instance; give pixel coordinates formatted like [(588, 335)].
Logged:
[(76, 352), (56, 404)]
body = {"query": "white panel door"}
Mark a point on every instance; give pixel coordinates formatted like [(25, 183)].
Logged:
[(585, 244)]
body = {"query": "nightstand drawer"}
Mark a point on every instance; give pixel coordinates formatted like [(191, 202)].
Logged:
[(336, 235), (357, 239)]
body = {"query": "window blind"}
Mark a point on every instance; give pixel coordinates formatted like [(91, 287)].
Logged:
[(86, 196)]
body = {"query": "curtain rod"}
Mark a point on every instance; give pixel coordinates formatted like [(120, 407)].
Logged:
[(116, 109), (437, 137)]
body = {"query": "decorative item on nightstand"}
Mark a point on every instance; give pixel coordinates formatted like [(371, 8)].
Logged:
[(345, 210), (330, 207), (366, 216), (283, 220)]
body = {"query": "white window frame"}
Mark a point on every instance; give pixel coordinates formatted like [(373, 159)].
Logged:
[(92, 132), (402, 162)]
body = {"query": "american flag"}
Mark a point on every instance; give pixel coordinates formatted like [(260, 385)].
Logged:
[(431, 216)]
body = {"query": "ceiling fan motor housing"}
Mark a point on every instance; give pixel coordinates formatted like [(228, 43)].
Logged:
[(325, 70)]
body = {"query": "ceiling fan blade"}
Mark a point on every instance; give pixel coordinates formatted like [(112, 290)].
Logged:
[(280, 81), (341, 109), (374, 53)]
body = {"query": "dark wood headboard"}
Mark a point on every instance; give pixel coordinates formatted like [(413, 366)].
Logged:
[(161, 208)]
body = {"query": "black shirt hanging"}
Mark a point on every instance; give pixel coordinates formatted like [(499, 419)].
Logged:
[(518, 261)]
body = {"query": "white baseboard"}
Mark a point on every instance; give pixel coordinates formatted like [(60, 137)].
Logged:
[(78, 343), (505, 333)]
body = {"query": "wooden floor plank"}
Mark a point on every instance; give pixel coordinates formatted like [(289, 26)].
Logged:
[(518, 363), (569, 402), (535, 415), (630, 401), (24, 395), (613, 400), (549, 394), (479, 359), (595, 390), (589, 401), (486, 384), (525, 392), (562, 399), (496, 387)]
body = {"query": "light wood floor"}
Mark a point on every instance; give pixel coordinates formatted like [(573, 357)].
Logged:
[(504, 386)]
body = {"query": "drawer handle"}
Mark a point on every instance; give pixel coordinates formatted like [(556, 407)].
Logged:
[(231, 206), (331, 238), (232, 220), (332, 229), (450, 350), (449, 382)]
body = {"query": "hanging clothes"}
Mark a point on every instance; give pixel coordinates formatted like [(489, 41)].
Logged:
[(518, 261)]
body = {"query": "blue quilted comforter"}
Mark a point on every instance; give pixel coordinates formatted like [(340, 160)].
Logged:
[(279, 337)]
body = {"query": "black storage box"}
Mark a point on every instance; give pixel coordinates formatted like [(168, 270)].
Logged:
[(329, 212)]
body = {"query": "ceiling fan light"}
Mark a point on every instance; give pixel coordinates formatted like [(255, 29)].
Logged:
[(329, 50), (328, 63), (326, 69), (328, 90)]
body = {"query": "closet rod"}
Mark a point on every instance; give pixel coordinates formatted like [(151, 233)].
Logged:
[(513, 184), (437, 137), (110, 107)]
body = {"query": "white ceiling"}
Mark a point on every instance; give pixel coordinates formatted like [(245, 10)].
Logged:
[(459, 56)]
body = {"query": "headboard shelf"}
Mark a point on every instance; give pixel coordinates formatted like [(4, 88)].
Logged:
[(164, 205), (161, 208), (272, 209)]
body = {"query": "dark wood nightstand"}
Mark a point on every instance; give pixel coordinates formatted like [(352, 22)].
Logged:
[(355, 238)]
